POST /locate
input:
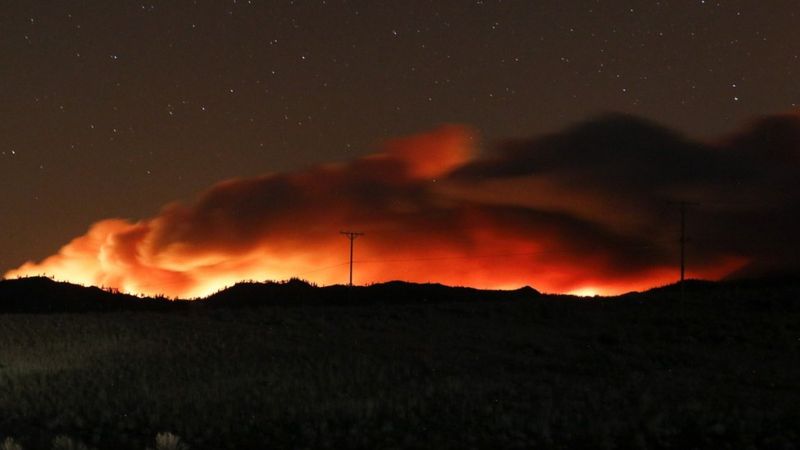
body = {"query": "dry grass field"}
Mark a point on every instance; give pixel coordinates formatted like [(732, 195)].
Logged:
[(718, 370)]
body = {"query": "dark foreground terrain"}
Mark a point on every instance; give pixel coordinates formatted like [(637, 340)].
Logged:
[(718, 370)]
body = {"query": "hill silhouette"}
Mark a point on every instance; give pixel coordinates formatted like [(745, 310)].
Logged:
[(777, 292), (211, 369), (43, 295), (298, 292)]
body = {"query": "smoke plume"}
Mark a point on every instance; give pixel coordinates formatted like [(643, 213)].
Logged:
[(591, 209)]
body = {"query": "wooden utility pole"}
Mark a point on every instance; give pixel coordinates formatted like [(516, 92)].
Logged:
[(352, 235), (683, 240)]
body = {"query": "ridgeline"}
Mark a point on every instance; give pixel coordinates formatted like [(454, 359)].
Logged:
[(44, 295)]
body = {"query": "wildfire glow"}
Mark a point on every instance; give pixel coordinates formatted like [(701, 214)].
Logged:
[(423, 223), (585, 292)]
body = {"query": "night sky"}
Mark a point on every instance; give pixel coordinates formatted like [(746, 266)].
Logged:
[(112, 109)]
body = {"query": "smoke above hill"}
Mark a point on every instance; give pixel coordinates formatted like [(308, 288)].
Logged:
[(591, 209)]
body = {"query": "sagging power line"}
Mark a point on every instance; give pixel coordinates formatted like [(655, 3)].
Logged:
[(655, 246)]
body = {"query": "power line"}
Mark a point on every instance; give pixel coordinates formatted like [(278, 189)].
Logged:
[(495, 255), (322, 268), (457, 257), (655, 245)]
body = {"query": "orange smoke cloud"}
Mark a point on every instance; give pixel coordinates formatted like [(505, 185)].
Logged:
[(433, 211), (270, 227)]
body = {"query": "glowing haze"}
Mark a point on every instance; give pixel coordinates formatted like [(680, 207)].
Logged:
[(587, 210)]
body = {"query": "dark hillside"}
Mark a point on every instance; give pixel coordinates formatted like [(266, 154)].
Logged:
[(768, 293), (406, 366), (43, 295), (297, 292), (716, 370)]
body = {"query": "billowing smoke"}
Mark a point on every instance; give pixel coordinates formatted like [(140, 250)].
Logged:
[(594, 208)]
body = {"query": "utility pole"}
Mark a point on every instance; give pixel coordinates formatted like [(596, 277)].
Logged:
[(352, 235), (683, 240)]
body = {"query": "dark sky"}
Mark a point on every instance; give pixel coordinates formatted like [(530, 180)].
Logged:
[(114, 108)]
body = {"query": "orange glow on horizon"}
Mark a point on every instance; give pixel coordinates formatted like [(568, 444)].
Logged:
[(510, 269), (339, 275), (585, 292), (282, 226)]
